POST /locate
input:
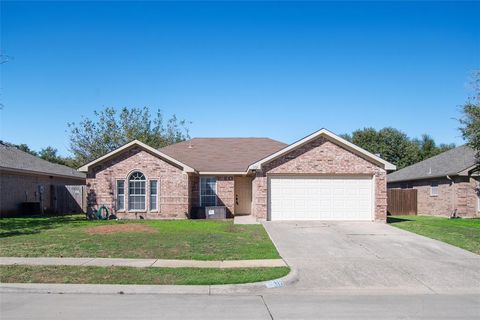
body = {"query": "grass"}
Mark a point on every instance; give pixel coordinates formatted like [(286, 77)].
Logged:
[(463, 233), (129, 275), (67, 236)]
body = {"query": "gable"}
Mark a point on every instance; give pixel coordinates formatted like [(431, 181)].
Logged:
[(142, 146), (321, 156), (348, 146), (133, 159)]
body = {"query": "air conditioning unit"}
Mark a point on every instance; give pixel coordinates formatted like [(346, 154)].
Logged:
[(216, 212)]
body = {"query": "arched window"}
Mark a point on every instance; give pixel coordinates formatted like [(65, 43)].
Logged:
[(136, 191)]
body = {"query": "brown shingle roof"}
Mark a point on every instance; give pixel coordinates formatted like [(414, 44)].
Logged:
[(222, 154), (448, 163), (15, 159)]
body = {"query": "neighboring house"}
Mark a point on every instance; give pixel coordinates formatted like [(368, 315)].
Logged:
[(27, 178), (320, 177), (447, 183)]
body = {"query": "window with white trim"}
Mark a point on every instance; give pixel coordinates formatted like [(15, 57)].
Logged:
[(153, 195), (120, 194), (136, 191), (208, 191), (434, 188)]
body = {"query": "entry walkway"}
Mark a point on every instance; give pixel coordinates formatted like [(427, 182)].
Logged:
[(142, 263)]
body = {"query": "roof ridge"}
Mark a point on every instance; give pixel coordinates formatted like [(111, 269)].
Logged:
[(232, 138)]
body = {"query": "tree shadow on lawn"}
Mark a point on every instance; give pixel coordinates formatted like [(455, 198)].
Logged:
[(10, 227), (391, 219)]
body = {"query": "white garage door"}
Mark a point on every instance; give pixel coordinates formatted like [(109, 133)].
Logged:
[(320, 198)]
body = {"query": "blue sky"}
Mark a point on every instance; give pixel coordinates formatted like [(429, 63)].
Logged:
[(281, 70)]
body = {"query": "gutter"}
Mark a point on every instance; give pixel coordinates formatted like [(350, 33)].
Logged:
[(426, 177)]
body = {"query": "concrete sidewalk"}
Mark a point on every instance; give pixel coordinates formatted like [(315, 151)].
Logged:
[(141, 263)]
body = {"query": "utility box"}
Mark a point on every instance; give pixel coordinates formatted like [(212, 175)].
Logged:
[(30, 208), (217, 212)]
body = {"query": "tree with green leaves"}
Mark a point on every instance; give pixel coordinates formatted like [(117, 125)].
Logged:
[(428, 148), (51, 154), (110, 129), (395, 146), (470, 120)]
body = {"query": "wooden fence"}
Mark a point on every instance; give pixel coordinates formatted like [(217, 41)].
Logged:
[(69, 198), (402, 201)]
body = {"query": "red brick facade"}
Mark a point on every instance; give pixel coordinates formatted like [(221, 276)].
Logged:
[(320, 157), (459, 196), (180, 192), (226, 193), (173, 185)]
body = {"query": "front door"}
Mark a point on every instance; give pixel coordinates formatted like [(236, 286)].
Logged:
[(243, 195)]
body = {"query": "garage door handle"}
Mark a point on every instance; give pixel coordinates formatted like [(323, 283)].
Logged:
[(236, 199)]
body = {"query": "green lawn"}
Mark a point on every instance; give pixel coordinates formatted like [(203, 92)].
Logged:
[(73, 236), (128, 275), (463, 233)]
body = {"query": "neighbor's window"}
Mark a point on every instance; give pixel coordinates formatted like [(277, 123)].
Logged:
[(208, 191), (153, 194), (136, 191), (120, 194), (434, 189)]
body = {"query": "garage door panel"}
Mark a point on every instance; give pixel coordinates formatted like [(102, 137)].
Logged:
[(320, 198)]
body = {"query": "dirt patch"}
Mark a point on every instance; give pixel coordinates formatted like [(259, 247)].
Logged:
[(120, 228)]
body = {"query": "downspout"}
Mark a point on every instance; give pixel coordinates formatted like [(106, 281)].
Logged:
[(454, 198)]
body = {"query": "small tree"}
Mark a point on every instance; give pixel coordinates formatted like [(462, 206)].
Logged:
[(110, 129)]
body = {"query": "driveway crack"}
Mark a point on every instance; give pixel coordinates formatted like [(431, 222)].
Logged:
[(266, 306)]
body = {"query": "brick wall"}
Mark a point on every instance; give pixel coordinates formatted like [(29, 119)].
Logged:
[(320, 157), (16, 188), (226, 193), (173, 185), (460, 196)]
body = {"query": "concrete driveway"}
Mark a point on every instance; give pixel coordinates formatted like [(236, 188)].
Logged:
[(366, 257)]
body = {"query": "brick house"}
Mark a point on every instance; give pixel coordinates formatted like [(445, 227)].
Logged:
[(25, 178), (447, 184), (320, 177)]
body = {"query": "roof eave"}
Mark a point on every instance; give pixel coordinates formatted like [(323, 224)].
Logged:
[(453, 174), (42, 173), (223, 173), (463, 173)]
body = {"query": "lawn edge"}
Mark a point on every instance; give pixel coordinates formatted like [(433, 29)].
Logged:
[(433, 239)]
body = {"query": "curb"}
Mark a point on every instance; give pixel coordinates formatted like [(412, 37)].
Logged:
[(60, 288)]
